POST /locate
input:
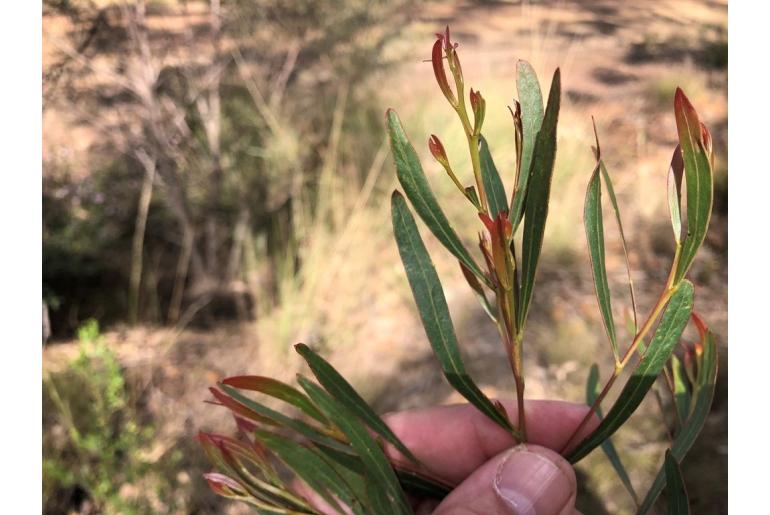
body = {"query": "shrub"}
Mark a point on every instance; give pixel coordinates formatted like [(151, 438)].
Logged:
[(95, 451), (331, 447)]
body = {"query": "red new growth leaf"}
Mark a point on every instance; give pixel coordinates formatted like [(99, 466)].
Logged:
[(484, 247), (500, 231), (223, 485), (475, 99), (700, 325), (498, 228), (225, 443), (488, 222), (689, 364), (262, 384), (686, 116), (246, 426), (238, 408), (437, 58)]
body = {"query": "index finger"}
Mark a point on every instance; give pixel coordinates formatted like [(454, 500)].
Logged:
[(453, 441)]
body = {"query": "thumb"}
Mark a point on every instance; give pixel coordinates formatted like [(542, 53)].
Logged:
[(526, 480)]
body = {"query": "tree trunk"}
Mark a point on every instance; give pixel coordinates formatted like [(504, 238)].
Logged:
[(137, 245)]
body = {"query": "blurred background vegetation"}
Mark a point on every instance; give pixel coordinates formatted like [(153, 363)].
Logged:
[(215, 189)]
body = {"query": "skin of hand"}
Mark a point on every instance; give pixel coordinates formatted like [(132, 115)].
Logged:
[(494, 474)]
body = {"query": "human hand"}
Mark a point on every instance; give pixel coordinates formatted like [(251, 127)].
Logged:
[(495, 476)]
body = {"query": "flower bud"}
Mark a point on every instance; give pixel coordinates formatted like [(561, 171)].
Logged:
[(478, 105), (437, 150), (452, 58)]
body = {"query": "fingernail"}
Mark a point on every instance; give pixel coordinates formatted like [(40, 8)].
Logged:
[(531, 483)]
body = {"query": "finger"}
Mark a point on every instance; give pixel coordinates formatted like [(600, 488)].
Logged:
[(526, 480), (453, 441)]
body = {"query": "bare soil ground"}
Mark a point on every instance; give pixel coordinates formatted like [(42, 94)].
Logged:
[(618, 59)]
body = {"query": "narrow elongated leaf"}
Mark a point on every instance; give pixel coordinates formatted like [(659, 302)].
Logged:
[(702, 397), (592, 391), (313, 469), (681, 393), (475, 285), (594, 226), (224, 485), (344, 393), (380, 473), (676, 494), (347, 460), (531, 100), (419, 485), (262, 490), (379, 501), (493, 185), (415, 184), (278, 418), (254, 454), (431, 303), (661, 346), (232, 489), (616, 209), (539, 190), (592, 387), (213, 452), (675, 174), (239, 409), (349, 466), (698, 180), (276, 389), (231, 457), (413, 482)]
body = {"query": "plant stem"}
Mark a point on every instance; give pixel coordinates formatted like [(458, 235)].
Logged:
[(668, 290), (513, 345), (519, 378), (662, 301), (473, 148)]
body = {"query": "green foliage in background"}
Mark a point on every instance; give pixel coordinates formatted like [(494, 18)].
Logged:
[(97, 451), (213, 152)]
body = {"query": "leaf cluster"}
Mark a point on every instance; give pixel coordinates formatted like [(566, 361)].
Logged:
[(336, 450), (339, 453)]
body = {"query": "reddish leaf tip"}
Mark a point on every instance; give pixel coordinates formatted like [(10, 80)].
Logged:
[(244, 425), (488, 222), (437, 59), (699, 324)]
